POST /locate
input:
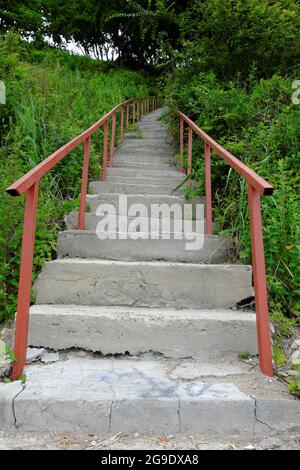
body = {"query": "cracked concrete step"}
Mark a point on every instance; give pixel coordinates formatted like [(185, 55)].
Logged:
[(138, 173), (172, 181), (143, 284), (98, 187), (100, 395), (191, 248), (178, 334), (178, 206)]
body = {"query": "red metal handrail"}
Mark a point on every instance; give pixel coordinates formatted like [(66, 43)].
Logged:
[(29, 184), (257, 187)]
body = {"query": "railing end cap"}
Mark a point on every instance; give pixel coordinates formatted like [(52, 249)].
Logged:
[(268, 191), (12, 191)]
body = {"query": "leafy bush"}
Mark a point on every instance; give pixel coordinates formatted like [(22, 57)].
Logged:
[(49, 101), (260, 125)]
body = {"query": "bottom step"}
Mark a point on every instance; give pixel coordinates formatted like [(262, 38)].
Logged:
[(149, 395)]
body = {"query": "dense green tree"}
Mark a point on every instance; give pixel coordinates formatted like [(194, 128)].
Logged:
[(233, 36), (25, 16)]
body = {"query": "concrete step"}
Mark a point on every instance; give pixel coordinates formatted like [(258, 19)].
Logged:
[(153, 134), (143, 284), (139, 156), (147, 143), (138, 173), (172, 181), (182, 208), (86, 244), (148, 395), (140, 165), (98, 187), (178, 334), (148, 127), (174, 225)]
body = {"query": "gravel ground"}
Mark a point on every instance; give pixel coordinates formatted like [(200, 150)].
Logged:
[(52, 441)]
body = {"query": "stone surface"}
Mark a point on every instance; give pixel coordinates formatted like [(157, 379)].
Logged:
[(173, 333), (147, 284), (141, 396), (296, 358), (138, 173), (124, 396), (49, 357), (142, 165), (169, 181), (8, 393), (278, 414), (34, 354), (296, 344), (125, 188), (86, 244), (173, 202)]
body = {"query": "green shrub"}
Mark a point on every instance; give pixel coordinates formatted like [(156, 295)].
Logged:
[(51, 97), (260, 126)]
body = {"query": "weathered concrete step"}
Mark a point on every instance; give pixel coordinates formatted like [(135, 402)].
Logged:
[(143, 284), (146, 156), (158, 224), (152, 134), (97, 187), (177, 334), (191, 248), (144, 395), (141, 147), (180, 208), (147, 143), (146, 166), (172, 181), (138, 173), (152, 125)]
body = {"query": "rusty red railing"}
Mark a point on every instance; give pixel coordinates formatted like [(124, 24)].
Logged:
[(257, 187), (29, 184)]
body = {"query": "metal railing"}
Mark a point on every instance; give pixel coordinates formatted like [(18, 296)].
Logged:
[(257, 187), (131, 111)]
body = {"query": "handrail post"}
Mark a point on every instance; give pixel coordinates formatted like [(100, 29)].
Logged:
[(138, 109), (190, 153), (133, 112), (181, 144), (113, 138), (260, 287), (84, 183), (25, 280), (105, 151), (208, 196), (127, 116), (122, 126)]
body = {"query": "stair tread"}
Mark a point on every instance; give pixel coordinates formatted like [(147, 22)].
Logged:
[(149, 393)]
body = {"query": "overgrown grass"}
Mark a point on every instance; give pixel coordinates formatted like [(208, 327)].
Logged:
[(51, 98), (258, 123)]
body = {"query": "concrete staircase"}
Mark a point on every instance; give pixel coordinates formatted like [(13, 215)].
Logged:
[(158, 322)]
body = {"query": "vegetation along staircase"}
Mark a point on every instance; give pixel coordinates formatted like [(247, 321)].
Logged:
[(156, 325)]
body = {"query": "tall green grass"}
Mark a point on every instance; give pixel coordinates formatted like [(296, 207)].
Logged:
[(259, 124), (49, 101)]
